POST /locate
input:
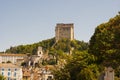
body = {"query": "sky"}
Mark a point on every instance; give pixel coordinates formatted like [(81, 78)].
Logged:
[(29, 21)]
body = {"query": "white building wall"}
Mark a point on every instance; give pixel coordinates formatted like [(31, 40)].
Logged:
[(0, 59), (12, 72), (13, 59)]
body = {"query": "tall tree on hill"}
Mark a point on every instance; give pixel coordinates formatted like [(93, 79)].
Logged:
[(105, 43), (78, 67)]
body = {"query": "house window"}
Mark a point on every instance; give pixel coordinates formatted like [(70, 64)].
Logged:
[(2, 69), (39, 52), (8, 79), (49, 78), (14, 74), (2, 73), (15, 69), (8, 73), (8, 69)]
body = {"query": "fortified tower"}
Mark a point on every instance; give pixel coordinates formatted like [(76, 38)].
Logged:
[(64, 31)]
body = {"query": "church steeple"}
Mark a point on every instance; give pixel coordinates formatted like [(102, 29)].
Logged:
[(40, 52)]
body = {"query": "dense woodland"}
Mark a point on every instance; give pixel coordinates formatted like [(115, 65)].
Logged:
[(87, 61)]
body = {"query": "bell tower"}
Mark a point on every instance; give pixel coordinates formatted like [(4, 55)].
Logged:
[(40, 52)]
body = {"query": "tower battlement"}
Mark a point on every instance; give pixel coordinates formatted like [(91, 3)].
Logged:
[(64, 31)]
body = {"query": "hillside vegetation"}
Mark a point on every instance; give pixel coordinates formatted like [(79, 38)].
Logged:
[(62, 45), (105, 44)]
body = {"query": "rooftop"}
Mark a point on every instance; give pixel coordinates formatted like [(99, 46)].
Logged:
[(65, 25), (26, 72), (9, 54), (8, 65)]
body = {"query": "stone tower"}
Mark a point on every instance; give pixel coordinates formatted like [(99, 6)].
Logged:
[(109, 74), (39, 52), (64, 31)]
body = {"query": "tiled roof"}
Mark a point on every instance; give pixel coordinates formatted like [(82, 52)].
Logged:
[(6, 54), (8, 65), (26, 72)]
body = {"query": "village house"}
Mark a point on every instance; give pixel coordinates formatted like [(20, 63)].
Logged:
[(13, 58), (11, 71), (26, 74), (32, 60)]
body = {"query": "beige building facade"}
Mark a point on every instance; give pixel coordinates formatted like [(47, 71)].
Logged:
[(64, 31), (109, 74), (13, 58), (11, 71)]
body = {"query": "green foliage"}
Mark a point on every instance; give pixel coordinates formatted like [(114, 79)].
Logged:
[(2, 77), (91, 72), (61, 74), (79, 67), (44, 62), (103, 51), (52, 62), (63, 45), (8, 62), (49, 62), (79, 45), (105, 43), (32, 48), (79, 64), (23, 64)]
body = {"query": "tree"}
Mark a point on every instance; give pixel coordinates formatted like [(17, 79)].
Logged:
[(105, 43), (79, 66), (82, 62), (23, 64), (8, 62), (2, 77), (91, 72), (61, 74), (63, 45)]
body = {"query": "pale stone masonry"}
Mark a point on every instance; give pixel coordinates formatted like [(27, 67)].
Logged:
[(64, 31), (109, 74)]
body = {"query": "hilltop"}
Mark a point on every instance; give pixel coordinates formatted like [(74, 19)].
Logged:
[(64, 45)]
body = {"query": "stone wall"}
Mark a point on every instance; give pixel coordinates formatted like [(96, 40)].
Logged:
[(64, 31)]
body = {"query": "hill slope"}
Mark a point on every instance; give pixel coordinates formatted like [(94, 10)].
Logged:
[(63, 45)]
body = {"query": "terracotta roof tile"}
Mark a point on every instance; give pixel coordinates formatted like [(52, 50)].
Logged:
[(8, 65), (6, 54)]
